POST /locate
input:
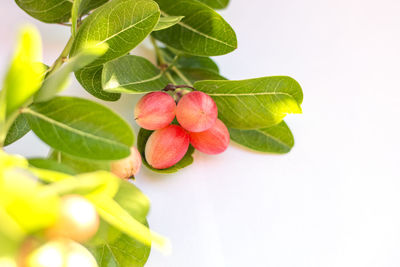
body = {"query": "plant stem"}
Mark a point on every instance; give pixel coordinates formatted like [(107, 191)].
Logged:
[(181, 75), (161, 60), (62, 58)]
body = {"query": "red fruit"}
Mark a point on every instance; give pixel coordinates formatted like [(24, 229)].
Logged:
[(127, 167), (155, 110), (77, 219), (213, 141), (166, 147), (196, 112)]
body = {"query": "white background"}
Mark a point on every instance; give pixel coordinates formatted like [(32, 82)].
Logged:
[(335, 199)]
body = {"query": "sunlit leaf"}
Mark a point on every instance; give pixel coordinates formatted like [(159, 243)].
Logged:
[(254, 103)]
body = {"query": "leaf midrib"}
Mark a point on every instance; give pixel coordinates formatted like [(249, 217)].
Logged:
[(250, 94), (68, 128), (273, 138), (136, 82), (125, 29), (199, 33)]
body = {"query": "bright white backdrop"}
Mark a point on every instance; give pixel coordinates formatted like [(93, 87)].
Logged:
[(335, 199)]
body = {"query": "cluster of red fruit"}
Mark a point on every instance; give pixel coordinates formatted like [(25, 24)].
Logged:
[(197, 115)]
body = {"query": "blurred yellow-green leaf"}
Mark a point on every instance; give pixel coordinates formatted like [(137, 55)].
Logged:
[(26, 72)]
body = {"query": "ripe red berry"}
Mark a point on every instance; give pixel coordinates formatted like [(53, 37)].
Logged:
[(127, 167), (155, 110), (166, 147), (213, 141), (196, 112), (77, 219)]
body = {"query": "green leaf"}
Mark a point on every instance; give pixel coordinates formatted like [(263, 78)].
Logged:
[(194, 75), (274, 139), (118, 249), (190, 62), (121, 24), (80, 7), (111, 246), (201, 32), (115, 215), (141, 145), (101, 183), (132, 74), (90, 79), (80, 165), (18, 129), (50, 11), (195, 62), (56, 81), (26, 72), (50, 164), (55, 11), (254, 103), (81, 128), (130, 198), (166, 22), (216, 4)]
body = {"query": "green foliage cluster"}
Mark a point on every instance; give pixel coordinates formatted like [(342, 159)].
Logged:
[(85, 137)]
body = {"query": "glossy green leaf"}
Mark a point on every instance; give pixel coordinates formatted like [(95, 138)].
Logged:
[(201, 32), (121, 24), (55, 11), (141, 145), (80, 165), (274, 139), (216, 4), (25, 74), (132, 74), (80, 7), (81, 128), (166, 22), (51, 11), (18, 129), (56, 81), (50, 164), (90, 79), (254, 103)]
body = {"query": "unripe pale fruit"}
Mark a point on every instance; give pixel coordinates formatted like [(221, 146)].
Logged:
[(213, 141), (127, 167), (61, 253), (77, 220), (155, 110), (196, 112), (166, 147)]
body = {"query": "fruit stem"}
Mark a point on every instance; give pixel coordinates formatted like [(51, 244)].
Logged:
[(173, 87)]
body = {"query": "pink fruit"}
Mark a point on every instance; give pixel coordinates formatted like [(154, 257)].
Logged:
[(166, 147), (213, 141), (196, 112), (155, 110), (127, 167)]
